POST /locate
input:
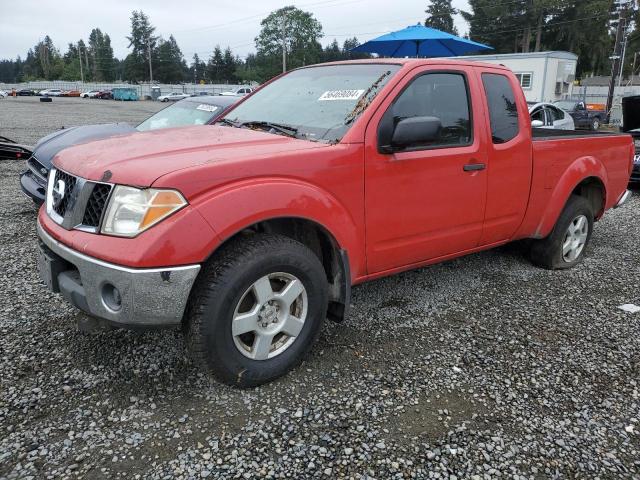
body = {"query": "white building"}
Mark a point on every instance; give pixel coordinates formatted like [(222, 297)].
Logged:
[(544, 76)]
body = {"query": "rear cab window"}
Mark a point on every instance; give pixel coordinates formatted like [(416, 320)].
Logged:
[(503, 109)]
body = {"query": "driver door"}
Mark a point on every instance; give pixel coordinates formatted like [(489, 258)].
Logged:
[(427, 201)]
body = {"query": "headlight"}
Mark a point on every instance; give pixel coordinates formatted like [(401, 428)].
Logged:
[(133, 210)]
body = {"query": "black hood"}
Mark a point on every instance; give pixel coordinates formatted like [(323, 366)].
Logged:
[(49, 146), (631, 113)]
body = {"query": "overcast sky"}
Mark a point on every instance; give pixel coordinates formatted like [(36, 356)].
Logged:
[(197, 25)]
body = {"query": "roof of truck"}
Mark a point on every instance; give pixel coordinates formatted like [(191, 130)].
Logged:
[(415, 62)]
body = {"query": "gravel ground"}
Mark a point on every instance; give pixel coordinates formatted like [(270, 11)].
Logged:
[(481, 367), (26, 119)]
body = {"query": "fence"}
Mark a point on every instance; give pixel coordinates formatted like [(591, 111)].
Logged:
[(143, 89)]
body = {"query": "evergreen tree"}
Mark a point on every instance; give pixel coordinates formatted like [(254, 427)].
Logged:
[(440, 16), (214, 65), (170, 64), (143, 43), (332, 52), (197, 69), (348, 45)]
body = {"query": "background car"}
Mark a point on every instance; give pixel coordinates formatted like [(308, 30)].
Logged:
[(547, 115), (190, 111), (25, 92), (3, 94), (51, 92), (70, 93), (584, 115), (89, 94), (173, 97), (238, 92), (104, 95)]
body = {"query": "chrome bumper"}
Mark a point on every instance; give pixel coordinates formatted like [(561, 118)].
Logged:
[(153, 297), (623, 198)]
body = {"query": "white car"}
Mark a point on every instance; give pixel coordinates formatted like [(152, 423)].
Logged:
[(90, 94), (51, 92), (238, 92), (547, 115), (173, 97), (3, 94)]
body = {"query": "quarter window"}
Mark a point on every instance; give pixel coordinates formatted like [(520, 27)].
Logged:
[(503, 110), (440, 95)]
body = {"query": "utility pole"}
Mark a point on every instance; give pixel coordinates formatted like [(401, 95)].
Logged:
[(624, 52), (80, 58), (150, 66), (617, 64), (283, 32)]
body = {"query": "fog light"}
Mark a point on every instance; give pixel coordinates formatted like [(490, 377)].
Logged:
[(111, 297)]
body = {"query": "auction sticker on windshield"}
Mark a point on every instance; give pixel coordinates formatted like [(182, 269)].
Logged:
[(206, 108), (340, 95)]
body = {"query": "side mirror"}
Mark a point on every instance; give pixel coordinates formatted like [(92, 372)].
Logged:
[(580, 106), (537, 123), (414, 131)]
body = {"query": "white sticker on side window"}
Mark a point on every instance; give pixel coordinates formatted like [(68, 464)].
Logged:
[(206, 108), (340, 95)]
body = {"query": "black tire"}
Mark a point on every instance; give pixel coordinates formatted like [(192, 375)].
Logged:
[(220, 287), (547, 253), (595, 124)]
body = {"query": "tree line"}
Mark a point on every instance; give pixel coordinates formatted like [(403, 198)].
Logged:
[(584, 27), (153, 57)]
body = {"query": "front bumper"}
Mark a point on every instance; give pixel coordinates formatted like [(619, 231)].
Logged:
[(33, 187), (127, 297)]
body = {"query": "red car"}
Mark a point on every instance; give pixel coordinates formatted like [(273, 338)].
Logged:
[(250, 233), (104, 95)]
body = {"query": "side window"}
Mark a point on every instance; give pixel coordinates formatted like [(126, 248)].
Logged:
[(538, 114), (440, 95), (555, 113), (503, 111)]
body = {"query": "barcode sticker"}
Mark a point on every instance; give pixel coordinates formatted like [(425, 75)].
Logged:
[(206, 108), (340, 95)]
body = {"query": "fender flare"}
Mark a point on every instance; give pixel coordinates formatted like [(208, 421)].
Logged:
[(239, 205), (581, 169)]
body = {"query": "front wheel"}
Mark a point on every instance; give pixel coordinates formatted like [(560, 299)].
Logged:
[(566, 245), (595, 124), (256, 310)]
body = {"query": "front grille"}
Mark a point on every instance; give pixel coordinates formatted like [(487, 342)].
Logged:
[(95, 205), (69, 186), (39, 170)]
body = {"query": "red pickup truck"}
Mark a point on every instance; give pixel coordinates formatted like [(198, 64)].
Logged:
[(251, 232)]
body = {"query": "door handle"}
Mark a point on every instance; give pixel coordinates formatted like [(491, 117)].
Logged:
[(473, 167)]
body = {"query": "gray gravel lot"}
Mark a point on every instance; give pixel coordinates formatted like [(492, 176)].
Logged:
[(481, 367), (26, 119)]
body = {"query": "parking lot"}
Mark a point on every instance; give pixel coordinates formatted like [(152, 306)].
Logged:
[(481, 367)]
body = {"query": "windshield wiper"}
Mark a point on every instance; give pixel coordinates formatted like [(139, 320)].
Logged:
[(285, 129), (232, 123)]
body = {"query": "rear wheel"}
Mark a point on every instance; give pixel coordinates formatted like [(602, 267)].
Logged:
[(567, 243), (595, 124), (257, 309)]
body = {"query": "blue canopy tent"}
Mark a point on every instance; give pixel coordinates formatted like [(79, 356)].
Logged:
[(420, 41)]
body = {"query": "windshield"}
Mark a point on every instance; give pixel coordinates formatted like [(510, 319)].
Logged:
[(180, 114), (566, 105), (317, 103)]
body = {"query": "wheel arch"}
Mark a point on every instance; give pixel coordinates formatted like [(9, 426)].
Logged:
[(586, 177), (296, 209)]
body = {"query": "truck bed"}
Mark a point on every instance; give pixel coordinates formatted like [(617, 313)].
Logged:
[(551, 134), (554, 154)]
